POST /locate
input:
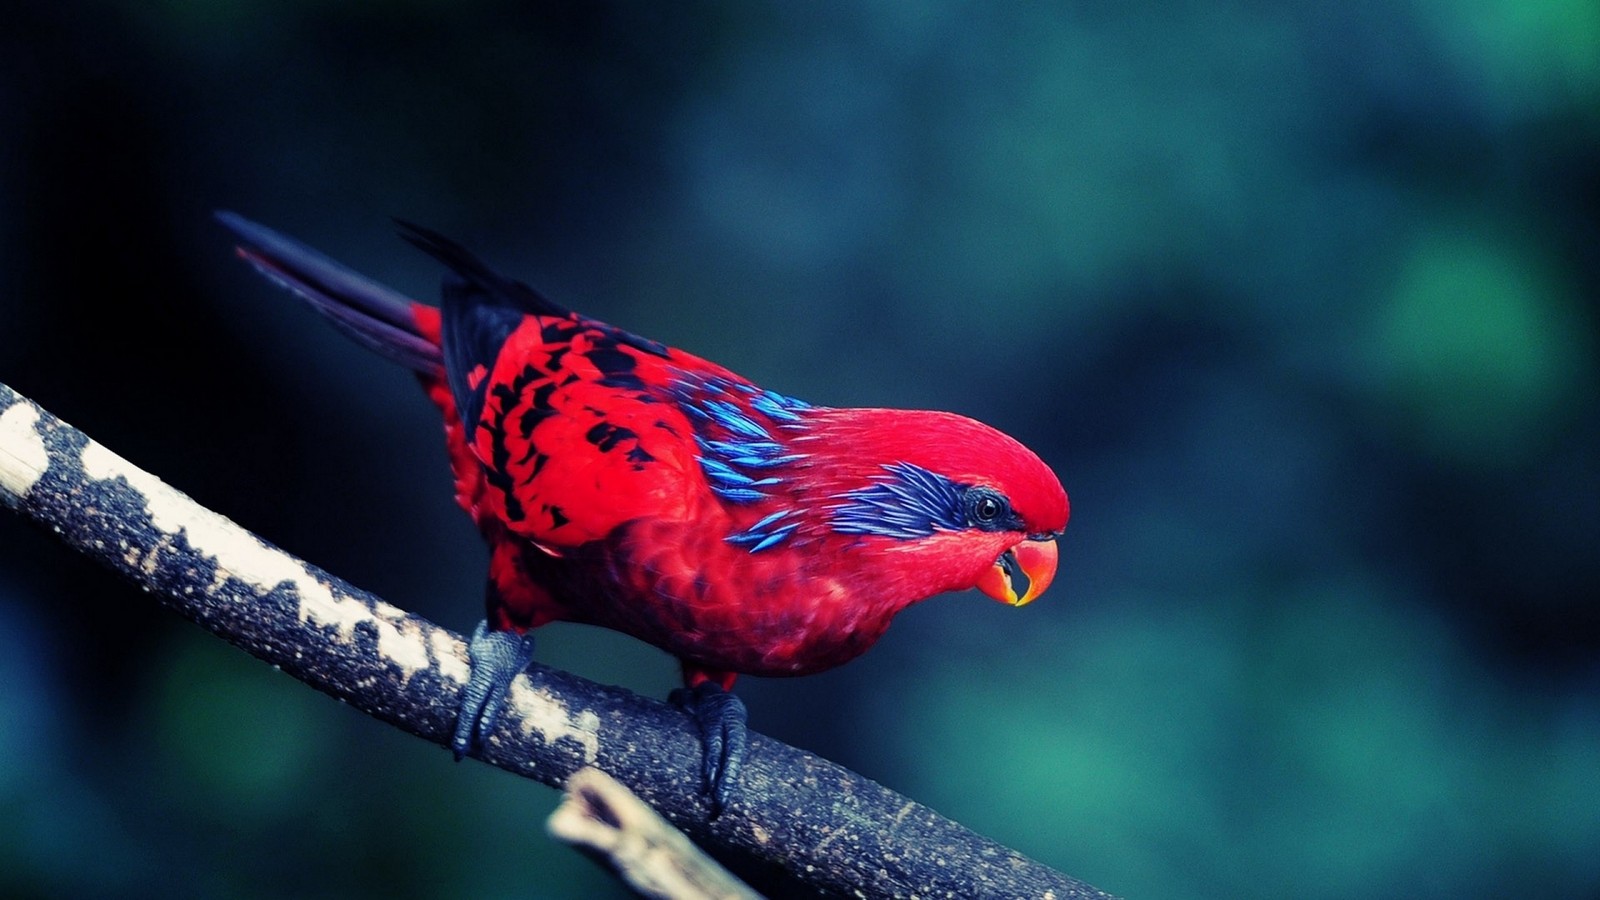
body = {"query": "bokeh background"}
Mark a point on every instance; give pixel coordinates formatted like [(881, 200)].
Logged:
[(1300, 299)]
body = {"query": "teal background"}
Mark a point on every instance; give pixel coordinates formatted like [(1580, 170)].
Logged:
[(1299, 299)]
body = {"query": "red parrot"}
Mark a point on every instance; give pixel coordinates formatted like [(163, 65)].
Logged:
[(623, 483)]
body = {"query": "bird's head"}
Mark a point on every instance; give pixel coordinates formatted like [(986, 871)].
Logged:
[(946, 503)]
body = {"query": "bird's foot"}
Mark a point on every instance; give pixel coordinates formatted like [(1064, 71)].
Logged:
[(720, 716), (497, 657)]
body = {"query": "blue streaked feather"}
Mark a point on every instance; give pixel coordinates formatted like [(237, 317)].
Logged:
[(720, 471), (734, 424), (769, 519), (907, 502), (738, 494), (774, 539)]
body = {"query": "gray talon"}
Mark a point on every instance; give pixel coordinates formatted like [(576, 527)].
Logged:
[(497, 657), (720, 717)]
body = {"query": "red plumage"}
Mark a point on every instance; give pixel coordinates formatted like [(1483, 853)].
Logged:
[(634, 486)]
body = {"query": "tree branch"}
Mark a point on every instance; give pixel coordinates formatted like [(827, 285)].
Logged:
[(829, 828), (655, 859)]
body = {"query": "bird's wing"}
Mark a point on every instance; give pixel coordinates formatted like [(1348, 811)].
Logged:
[(581, 427)]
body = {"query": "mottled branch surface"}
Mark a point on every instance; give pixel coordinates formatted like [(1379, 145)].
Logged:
[(827, 827)]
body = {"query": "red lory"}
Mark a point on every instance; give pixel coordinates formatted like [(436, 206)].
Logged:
[(624, 483)]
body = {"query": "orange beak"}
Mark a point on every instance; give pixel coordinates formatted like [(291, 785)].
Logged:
[(1021, 573)]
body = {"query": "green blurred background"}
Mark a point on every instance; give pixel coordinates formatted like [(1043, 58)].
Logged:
[(1299, 299)]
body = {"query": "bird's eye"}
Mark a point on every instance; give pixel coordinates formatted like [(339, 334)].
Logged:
[(985, 506)]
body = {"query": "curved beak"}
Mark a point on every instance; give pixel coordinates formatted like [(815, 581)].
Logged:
[(1021, 573)]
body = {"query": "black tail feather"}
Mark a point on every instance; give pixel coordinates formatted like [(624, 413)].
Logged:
[(480, 311), (375, 316), (491, 287)]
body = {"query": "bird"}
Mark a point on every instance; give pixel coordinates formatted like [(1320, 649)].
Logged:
[(627, 484)]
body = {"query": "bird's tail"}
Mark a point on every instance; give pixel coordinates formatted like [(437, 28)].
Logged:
[(377, 317)]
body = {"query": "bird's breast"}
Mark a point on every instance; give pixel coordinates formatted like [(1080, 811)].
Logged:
[(780, 611)]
